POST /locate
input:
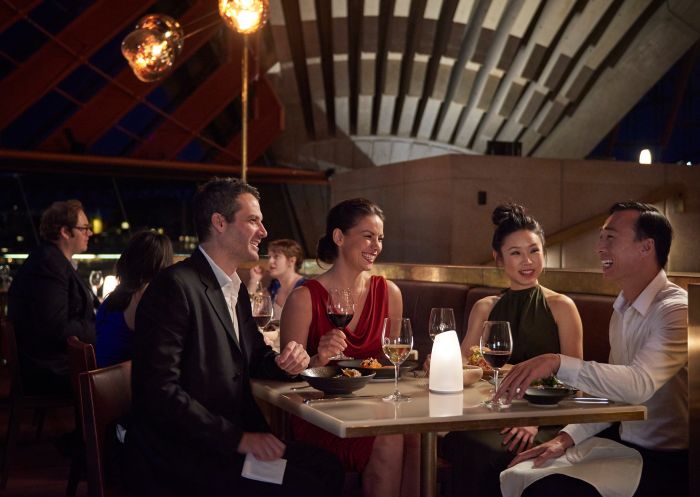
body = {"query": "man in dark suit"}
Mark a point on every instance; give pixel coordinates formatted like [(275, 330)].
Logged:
[(194, 418), (48, 301)]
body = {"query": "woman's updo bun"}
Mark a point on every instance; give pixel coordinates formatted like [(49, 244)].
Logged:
[(343, 216), (510, 218), (505, 212)]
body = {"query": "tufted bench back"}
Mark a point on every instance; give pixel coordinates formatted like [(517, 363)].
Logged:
[(419, 297)]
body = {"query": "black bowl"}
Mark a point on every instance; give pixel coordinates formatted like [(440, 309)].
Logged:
[(330, 380), (547, 396), (383, 373)]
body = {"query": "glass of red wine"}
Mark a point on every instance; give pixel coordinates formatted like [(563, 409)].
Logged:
[(496, 346), (340, 308), (262, 309)]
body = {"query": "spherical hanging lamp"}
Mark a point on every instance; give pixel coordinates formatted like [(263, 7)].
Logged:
[(152, 47), (170, 29), (244, 16)]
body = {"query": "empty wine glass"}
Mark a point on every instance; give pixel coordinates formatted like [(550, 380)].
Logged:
[(262, 309), (340, 308), (496, 345), (441, 319), (96, 281), (397, 342)]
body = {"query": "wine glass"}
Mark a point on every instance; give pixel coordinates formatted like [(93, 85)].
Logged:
[(96, 281), (397, 342), (340, 308), (496, 345), (262, 309), (441, 319)]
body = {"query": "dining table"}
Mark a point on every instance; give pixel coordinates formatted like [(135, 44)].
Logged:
[(364, 413)]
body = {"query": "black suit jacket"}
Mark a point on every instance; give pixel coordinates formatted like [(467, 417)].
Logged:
[(192, 399), (47, 303)]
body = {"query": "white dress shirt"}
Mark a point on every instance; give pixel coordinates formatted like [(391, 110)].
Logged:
[(648, 365), (230, 285)]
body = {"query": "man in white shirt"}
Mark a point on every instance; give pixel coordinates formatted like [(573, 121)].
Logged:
[(196, 347), (648, 360)]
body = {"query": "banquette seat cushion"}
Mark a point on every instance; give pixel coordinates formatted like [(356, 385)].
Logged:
[(595, 311), (419, 297)]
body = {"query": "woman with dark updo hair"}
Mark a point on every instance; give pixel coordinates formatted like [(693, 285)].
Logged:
[(145, 255), (352, 242), (542, 321)]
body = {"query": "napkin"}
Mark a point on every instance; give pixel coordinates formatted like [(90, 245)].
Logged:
[(612, 468), (267, 471)]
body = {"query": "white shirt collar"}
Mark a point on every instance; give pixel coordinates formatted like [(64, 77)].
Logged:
[(646, 298), (224, 280)]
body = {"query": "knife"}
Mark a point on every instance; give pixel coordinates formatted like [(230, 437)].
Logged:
[(329, 399), (591, 400)]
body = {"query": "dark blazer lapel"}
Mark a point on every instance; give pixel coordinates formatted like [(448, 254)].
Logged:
[(214, 294), (91, 300)]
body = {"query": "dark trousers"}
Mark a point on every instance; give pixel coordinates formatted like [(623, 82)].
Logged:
[(310, 472), (663, 473), (478, 457)]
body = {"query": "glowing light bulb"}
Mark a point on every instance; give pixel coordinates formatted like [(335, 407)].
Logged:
[(97, 225), (244, 16), (645, 156), (152, 47), (170, 29)]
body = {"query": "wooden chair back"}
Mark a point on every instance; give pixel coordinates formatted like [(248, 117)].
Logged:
[(81, 358), (106, 397)]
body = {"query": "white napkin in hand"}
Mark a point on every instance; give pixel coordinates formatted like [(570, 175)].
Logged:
[(612, 468), (267, 471)]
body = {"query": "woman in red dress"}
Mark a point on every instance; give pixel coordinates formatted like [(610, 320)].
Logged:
[(353, 241)]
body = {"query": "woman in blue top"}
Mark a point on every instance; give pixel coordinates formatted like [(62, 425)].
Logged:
[(146, 254), (286, 258)]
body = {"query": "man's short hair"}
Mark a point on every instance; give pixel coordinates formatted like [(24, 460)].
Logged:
[(650, 224), (59, 214), (218, 195)]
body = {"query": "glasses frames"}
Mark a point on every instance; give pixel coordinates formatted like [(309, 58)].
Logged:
[(84, 229)]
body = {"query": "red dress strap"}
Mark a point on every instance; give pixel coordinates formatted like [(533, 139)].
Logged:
[(365, 340)]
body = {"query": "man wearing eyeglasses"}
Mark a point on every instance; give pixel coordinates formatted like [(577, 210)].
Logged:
[(48, 301)]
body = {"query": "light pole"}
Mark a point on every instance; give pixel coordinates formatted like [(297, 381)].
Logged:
[(244, 17)]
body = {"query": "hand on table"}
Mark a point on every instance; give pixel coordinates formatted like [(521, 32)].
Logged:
[(330, 345), (293, 359), (264, 446), (514, 384), (542, 453), (519, 438)]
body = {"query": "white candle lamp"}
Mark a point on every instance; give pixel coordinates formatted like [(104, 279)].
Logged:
[(446, 364)]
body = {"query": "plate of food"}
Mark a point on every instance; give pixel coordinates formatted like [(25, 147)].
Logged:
[(382, 370), (548, 392), (335, 380)]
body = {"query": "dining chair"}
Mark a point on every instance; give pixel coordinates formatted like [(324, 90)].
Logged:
[(81, 358), (18, 400), (106, 397)]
